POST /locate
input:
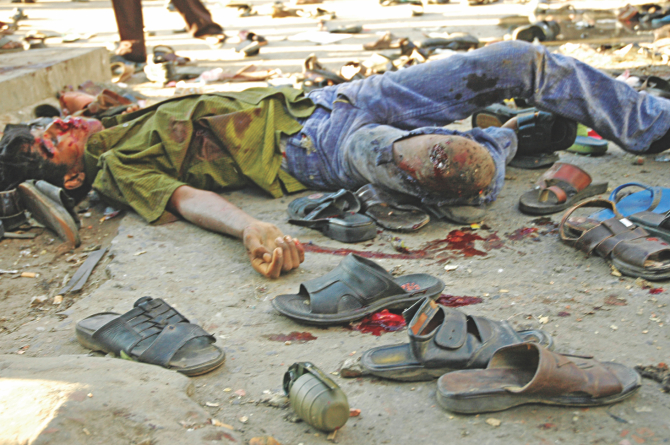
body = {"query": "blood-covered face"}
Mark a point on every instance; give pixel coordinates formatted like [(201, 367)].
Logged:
[(64, 140)]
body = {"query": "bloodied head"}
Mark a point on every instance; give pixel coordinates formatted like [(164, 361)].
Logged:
[(447, 165), (53, 152)]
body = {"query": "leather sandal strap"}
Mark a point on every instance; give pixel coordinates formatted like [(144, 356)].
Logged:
[(638, 251), (354, 283), (169, 341), (606, 235), (568, 173), (597, 202), (148, 318)]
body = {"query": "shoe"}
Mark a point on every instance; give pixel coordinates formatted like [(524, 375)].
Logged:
[(11, 210), (51, 207)]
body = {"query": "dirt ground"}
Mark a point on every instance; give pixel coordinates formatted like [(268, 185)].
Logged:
[(521, 272)]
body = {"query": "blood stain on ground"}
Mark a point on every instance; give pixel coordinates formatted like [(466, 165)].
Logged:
[(459, 242), (655, 290), (524, 232), (379, 322), (454, 301), (564, 314), (301, 337)]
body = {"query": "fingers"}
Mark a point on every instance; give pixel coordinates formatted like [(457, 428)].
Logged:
[(301, 250), (292, 258), (268, 265), (291, 252)]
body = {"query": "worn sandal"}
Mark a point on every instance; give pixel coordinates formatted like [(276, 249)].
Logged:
[(558, 188), (630, 248), (333, 214), (391, 211), (442, 339), (530, 373), (355, 288), (152, 332)]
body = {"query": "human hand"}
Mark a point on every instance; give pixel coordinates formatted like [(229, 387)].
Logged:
[(270, 251)]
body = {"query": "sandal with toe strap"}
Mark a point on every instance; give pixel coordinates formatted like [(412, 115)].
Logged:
[(442, 339), (355, 288), (631, 249), (152, 332), (558, 188)]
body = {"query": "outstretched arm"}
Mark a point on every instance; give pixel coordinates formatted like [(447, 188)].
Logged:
[(269, 250)]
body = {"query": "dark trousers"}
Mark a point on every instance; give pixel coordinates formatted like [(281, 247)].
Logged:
[(129, 20)]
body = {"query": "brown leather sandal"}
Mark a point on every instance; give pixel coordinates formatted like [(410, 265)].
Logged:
[(630, 248), (560, 187), (529, 373)]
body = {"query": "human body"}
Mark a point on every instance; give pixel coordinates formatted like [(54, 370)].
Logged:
[(388, 130)]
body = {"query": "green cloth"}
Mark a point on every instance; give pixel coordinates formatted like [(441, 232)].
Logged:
[(141, 158)]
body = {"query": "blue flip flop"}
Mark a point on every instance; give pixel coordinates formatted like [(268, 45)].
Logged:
[(651, 199)]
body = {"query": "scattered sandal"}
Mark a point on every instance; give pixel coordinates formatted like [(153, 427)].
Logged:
[(391, 210), (630, 248), (8, 45), (53, 208), (355, 288), (152, 332), (442, 339), (387, 41), (165, 53), (250, 43), (529, 373), (334, 214), (560, 187)]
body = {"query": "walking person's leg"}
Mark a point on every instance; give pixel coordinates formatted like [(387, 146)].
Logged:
[(198, 19), (129, 20)]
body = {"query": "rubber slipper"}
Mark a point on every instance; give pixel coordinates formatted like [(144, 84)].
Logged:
[(442, 339), (587, 145), (152, 332), (355, 288), (529, 373), (53, 208), (333, 214), (630, 248), (560, 187), (651, 199), (391, 211)]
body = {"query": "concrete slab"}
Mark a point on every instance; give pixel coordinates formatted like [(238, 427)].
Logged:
[(27, 77)]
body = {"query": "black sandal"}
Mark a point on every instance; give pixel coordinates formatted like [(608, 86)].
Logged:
[(333, 214), (152, 332), (355, 288)]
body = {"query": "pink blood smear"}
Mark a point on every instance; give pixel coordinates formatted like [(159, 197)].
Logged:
[(454, 301), (380, 322), (655, 290), (293, 336)]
